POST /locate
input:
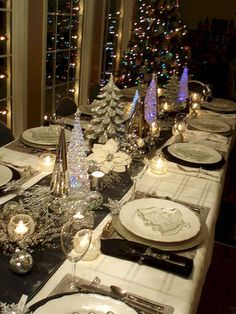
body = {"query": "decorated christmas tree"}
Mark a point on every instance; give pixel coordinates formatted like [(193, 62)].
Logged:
[(156, 45), (109, 113)]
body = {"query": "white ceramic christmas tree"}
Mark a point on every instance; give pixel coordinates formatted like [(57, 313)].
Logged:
[(109, 114), (77, 164)]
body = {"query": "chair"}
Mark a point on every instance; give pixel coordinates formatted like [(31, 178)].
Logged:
[(66, 107), (6, 135)]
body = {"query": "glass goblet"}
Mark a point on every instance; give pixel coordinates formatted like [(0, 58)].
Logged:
[(180, 125), (76, 235), (136, 169)]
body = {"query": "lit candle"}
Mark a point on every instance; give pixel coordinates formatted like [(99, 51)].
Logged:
[(160, 91), (154, 129), (158, 165), (166, 106), (21, 228), (140, 142), (94, 248), (97, 180), (46, 162), (195, 97)]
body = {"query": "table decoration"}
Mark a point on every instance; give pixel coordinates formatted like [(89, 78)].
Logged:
[(46, 162), (21, 262), (20, 226), (97, 180), (109, 114), (77, 163), (159, 164), (108, 157), (59, 184)]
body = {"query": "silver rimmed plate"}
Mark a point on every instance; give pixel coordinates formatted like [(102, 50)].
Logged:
[(220, 105), (195, 153), (84, 303), (159, 220), (210, 125), (42, 136), (5, 175)]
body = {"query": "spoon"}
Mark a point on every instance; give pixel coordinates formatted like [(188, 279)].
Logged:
[(124, 294)]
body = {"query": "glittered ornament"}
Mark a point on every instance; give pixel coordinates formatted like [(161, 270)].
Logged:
[(94, 200), (21, 262)]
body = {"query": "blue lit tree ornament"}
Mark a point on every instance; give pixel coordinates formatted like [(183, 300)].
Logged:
[(183, 86), (150, 101)]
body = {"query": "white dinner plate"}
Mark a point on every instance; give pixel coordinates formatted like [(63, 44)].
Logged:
[(5, 175), (220, 105), (43, 135), (210, 125), (159, 220), (195, 153), (84, 303)]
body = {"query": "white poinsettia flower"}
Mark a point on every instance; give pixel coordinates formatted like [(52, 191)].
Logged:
[(109, 158)]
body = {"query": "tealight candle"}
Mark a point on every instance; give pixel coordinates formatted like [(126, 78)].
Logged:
[(166, 106), (158, 165), (154, 129), (20, 226), (195, 97), (97, 180), (140, 142), (46, 162), (94, 248)]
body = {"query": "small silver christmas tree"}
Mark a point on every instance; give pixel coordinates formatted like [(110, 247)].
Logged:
[(172, 90), (109, 114), (77, 164)]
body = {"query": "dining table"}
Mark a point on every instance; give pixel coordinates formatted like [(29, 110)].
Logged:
[(181, 183)]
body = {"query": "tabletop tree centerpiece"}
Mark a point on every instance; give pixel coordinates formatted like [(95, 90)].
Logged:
[(108, 117)]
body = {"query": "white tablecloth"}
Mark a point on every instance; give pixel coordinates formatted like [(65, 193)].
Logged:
[(181, 293)]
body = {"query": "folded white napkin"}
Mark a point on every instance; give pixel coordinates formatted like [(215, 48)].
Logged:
[(212, 175), (18, 161)]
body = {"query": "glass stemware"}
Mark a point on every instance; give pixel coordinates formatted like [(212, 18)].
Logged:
[(180, 126), (76, 235), (136, 169)]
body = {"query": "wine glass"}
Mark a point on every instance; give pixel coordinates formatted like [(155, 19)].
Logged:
[(136, 169), (180, 126), (76, 235)]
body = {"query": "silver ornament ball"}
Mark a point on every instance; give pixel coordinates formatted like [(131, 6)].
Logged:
[(21, 262)]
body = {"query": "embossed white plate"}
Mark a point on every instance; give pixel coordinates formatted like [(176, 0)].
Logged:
[(83, 303), (220, 105), (210, 125), (43, 136), (194, 153), (132, 220), (5, 174)]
